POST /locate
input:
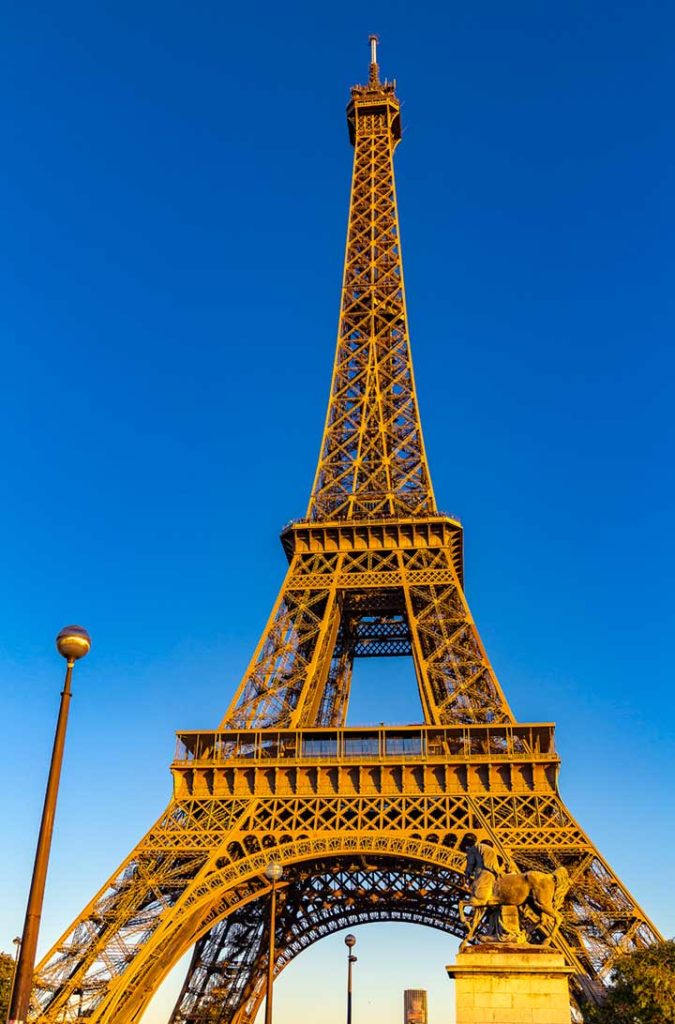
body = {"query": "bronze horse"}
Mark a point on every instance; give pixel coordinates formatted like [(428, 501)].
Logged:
[(544, 890)]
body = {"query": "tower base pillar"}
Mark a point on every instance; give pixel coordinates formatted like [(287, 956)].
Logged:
[(496, 983)]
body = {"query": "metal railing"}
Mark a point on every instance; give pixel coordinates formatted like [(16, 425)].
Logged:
[(394, 743), (358, 518)]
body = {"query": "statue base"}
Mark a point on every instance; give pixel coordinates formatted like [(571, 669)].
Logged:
[(508, 983)]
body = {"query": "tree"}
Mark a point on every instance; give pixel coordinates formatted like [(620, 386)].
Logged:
[(6, 975), (643, 989)]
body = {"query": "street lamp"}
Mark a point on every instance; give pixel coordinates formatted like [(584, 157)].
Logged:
[(73, 642), (16, 942), (273, 872), (350, 942)]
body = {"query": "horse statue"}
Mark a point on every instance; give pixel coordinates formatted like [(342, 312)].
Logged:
[(543, 891)]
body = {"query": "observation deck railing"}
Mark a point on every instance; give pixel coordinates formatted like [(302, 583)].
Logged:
[(451, 743), (358, 518)]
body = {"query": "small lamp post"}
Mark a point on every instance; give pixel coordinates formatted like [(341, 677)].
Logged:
[(273, 873), (16, 942), (350, 942), (73, 642)]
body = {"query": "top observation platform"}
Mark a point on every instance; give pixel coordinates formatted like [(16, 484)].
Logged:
[(374, 99)]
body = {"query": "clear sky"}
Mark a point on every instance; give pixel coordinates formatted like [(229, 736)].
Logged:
[(173, 193)]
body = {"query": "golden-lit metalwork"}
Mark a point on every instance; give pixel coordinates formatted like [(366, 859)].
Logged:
[(369, 824)]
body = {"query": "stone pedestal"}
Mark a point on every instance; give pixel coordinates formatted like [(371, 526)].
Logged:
[(496, 983)]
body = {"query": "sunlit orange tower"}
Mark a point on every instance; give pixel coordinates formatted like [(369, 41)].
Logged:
[(367, 823)]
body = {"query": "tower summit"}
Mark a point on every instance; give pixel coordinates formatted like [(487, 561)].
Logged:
[(374, 569), (372, 461), (369, 824)]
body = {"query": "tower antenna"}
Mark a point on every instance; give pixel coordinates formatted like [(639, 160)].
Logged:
[(374, 77)]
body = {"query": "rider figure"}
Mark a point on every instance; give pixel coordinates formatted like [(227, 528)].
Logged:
[(482, 866), (498, 896)]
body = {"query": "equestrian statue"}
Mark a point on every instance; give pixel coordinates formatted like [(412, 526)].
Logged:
[(505, 895)]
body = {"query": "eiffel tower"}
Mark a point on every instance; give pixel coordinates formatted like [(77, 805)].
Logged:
[(368, 823)]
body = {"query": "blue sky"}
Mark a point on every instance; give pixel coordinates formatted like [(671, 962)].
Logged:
[(173, 196)]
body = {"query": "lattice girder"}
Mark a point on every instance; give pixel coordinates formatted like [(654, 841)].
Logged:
[(414, 592), (315, 900), (372, 460), (243, 798)]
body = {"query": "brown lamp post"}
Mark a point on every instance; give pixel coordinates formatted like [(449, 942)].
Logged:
[(273, 872), (16, 942), (73, 642), (350, 942)]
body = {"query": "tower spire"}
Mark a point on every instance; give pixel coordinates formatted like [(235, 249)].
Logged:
[(374, 76), (372, 460)]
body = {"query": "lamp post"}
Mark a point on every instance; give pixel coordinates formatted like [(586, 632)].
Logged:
[(350, 942), (273, 872), (73, 642), (16, 942)]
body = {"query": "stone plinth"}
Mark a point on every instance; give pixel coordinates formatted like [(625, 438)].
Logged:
[(497, 983)]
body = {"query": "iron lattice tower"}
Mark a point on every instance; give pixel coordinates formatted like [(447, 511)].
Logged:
[(368, 822)]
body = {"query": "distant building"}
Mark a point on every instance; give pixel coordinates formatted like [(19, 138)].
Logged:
[(415, 1006)]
